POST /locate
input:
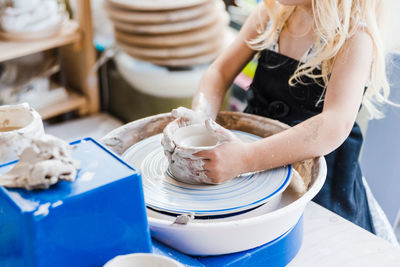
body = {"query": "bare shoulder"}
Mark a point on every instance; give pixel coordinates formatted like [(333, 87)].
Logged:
[(258, 19), (360, 44), (263, 9), (255, 23)]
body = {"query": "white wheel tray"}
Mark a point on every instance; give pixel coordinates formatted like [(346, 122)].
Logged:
[(236, 233)]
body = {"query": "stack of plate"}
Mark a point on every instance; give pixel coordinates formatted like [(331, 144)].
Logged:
[(175, 33)]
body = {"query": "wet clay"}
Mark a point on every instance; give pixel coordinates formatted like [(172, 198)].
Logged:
[(44, 162)]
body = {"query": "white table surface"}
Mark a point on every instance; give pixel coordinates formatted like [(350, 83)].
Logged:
[(330, 240)]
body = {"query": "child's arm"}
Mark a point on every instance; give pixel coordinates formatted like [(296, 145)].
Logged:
[(220, 75), (314, 137)]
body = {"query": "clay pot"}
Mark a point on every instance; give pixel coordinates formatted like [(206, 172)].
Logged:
[(17, 122), (194, 137), (189, 140)]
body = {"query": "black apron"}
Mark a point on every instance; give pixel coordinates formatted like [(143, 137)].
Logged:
[(271, 96)]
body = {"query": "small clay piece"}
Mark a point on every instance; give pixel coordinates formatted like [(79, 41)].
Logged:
[(43, 163), (173, 40), (175, 52), (158, 17), (184, 218), (146, 5), (168, 28)]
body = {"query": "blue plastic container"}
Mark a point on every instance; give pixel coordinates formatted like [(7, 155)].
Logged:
[(83, 223)]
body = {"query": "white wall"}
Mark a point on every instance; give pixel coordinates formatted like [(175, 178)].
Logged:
[(381, 152)]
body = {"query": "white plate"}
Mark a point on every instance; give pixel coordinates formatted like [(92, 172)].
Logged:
[(146, 5), (162, 192)]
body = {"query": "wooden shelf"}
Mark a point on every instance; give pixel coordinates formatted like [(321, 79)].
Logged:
[(12, 49), (77, 56), (74, 102)]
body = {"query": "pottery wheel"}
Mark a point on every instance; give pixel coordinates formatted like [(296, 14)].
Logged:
[(157, 17), (162, 192), (166, 28), (155, 4), (172, 40)]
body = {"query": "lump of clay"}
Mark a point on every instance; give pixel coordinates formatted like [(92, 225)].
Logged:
[(43, 163)]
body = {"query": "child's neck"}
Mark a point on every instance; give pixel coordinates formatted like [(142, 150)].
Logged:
[(296, 36)]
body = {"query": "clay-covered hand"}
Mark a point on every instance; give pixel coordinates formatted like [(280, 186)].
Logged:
[(225, 161), (183, 117), (182, 159)]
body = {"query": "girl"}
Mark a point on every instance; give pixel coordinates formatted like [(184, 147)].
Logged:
[(318, 61)]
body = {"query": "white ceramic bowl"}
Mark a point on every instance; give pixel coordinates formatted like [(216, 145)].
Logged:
[(142, 260), (159, 81), (17, 122)]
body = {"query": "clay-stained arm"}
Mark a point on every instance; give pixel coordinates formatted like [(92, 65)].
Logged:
[(314, 137), (220, 75)]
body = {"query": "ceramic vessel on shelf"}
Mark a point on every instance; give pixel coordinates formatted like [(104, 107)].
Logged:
[(17, 122), (32, 20)]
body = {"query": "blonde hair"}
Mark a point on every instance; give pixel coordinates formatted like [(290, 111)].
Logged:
[(334, 22)]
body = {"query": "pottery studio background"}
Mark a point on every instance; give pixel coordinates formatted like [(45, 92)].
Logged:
[(82, 65)]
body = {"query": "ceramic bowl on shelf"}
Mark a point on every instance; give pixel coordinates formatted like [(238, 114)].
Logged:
[(43, 19), (159, 81), (17, 124), (227, 234)]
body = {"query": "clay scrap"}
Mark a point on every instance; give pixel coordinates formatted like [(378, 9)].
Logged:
[(46, 161)]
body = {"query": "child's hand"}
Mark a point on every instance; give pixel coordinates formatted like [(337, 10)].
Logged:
[(227, 160), (184, 117)]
